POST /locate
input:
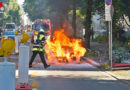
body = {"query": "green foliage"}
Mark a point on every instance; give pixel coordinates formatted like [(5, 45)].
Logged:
[(46, 8), (120, 51), (11, 13), (128, 38), (98, 39), (60, 9), (127, 41), (126, 7), (91, 53), (120, 7), (101, 38), (121, 55), (117, 43), (35, 9)]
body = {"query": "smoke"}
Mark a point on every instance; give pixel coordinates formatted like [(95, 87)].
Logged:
[(55, 10), (59, 15)]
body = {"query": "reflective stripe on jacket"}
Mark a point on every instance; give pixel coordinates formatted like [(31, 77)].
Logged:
[(39, 45), (38, 49)]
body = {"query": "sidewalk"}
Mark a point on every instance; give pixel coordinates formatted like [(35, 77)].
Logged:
[(122, 75)]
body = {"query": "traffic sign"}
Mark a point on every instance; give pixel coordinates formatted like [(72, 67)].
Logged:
[(108, 13), (2, 9), (108, 2), (1, 4)]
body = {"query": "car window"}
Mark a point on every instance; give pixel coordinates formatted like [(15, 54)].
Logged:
[(45, 27), (37, 27), (10, 26)]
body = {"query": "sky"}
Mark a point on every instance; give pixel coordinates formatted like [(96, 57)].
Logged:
[(20, 2)]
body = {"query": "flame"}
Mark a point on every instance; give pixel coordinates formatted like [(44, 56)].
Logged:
[(64, 49)]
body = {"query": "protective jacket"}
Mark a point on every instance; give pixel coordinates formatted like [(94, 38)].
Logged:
[(39, 42)]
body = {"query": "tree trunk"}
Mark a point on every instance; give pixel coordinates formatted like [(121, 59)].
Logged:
[(74, 17), (88, 23)]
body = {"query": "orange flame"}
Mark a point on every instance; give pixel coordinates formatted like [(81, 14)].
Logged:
[(64, 48)]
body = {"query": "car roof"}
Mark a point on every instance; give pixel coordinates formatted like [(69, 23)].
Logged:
[(10, 23)]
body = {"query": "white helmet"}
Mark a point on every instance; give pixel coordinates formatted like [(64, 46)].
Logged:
[(41, 30)]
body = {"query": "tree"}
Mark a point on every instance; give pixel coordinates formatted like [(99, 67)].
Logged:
[(88, 22), (74, 17), (58, 12), (121, 8), (11, 13)]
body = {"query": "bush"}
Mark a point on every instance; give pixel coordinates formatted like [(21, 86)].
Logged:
[(91, 53), (121, 55), (101, 38), (128, 38), (116, 44)]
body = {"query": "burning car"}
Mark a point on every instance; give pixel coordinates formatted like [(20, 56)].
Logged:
[(63, 48)]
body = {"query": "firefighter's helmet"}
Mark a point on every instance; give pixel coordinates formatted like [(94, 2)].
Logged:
[(41, 30)]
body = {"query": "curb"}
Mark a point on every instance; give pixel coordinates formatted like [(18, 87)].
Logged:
[(92, 62), (98, 66), (118, 78)]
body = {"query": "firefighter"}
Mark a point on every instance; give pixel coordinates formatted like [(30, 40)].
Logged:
[(38, 44)]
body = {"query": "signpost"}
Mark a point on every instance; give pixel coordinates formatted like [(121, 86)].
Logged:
[(1, 4), (108, 17), (1, 7), (108, 4)]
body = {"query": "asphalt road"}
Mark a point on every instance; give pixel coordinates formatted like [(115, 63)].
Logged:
[(74, 80), (71, 77)]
